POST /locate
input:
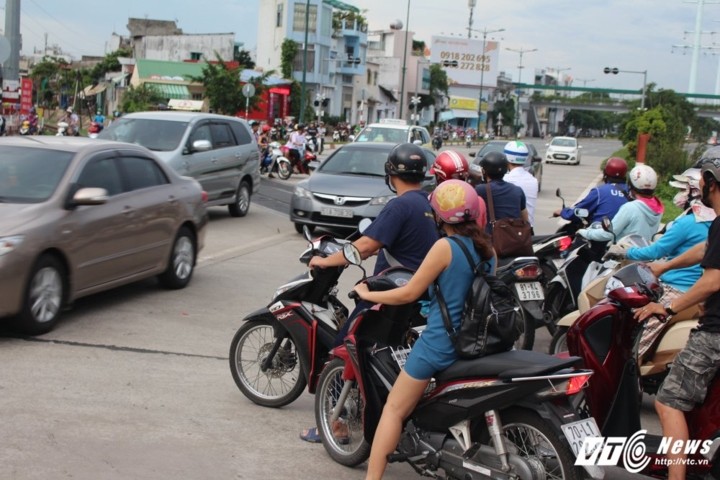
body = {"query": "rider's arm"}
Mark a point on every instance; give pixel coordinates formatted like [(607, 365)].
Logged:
[(691, 257), (524, 215), (666, 245), (589, 202), (366, 245), (708, 284), (437, 260)]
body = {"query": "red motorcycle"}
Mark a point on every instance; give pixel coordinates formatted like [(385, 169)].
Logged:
[(297, 164), (504, 416), (606, 338)]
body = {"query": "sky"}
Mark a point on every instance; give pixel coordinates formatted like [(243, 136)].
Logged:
[(583, 36)]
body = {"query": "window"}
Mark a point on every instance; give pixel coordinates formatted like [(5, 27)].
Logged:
[(299, 18), (375, 77), (278, 19), (298, 63), (195, 56), (202, 132), (222, 135), (241, 133), (347, 79), (141, 172), (369, 77), (101, 173)]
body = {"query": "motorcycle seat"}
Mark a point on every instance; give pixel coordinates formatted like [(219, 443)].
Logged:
[(506, 365), (545, 238)]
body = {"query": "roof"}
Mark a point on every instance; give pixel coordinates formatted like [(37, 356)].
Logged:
[(146, 26), (165, 70), (342, 5), (171, 90), (273, 80), (177, 116)]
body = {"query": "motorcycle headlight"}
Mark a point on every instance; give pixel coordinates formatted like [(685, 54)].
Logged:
[(8, 244), (381, 200), (612, 284), (301, 192)]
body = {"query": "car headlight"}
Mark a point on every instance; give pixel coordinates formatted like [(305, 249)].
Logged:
[(301, 192), (381, 200), (8, 244)]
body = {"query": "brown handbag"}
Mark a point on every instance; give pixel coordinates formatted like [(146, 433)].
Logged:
[(511, 237)]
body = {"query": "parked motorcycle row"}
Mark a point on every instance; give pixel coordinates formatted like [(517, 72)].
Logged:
[(513, 415)]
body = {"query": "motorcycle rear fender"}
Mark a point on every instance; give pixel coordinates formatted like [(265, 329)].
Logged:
[(568, 319), (264, 314)]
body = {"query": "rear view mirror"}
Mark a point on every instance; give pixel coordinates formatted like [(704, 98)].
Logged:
[(352, 254), (364, 224), (607, 225), (201, 146), (582, 213)]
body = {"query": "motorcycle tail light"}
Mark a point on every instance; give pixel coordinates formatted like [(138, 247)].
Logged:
[(528, 272), (563, 243), (204, 196), (576, 384)]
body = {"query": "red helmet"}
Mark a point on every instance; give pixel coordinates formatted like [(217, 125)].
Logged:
[(266, 128), (450, 165), (455, 201), (616, 167)]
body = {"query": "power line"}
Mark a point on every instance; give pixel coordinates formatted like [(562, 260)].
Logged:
[(73, 32)]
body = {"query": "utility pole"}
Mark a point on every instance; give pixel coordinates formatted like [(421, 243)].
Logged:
[(404, 66), (304, 74), (11, 67), (696, 43), (521, 51), (471, 4)]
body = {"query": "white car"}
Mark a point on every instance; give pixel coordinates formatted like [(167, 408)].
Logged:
[(394, 131), (563, 150)]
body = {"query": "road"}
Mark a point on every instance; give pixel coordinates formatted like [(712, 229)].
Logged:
[(134, 383)]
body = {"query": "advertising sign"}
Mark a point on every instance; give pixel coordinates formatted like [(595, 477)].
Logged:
[(464, 60), (463, 103), (26, 95)]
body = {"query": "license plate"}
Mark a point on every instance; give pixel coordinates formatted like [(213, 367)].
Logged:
[(336, 212), (577, 432), (561, 156), (529, 291)]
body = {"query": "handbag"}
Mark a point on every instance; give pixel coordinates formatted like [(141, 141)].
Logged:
[(511, 237)]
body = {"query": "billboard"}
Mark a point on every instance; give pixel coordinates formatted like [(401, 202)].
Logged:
[(464, 60)]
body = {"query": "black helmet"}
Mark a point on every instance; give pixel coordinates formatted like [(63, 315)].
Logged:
[(494, 164), (710, 166), (408, 162)]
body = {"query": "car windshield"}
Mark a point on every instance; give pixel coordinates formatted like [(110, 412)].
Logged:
[(490, 147), (30, 175), (563, 142), (153, 134), (356, 161), (382, 134)]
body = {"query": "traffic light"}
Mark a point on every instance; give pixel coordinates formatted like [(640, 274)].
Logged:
[(316, 103), (614, 71), (325, 102)]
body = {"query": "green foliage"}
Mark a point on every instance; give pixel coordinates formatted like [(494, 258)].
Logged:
[(507, 108), (589, 119), (295, 100), (350, 18), (243, 58), (109, 64), (141, 99), (288, 50), (438, 86)]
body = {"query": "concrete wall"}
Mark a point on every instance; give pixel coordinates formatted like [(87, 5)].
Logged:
[(181, 47)]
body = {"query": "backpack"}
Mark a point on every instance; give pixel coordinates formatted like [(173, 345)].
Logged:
[(492, 318)]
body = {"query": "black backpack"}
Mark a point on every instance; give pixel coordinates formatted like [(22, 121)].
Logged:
[(492, 317)]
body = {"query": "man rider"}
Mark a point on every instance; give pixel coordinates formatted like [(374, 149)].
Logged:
[(695, 366), (516, 154), (605, 200), (508, 199), (312, 133), (402, 233)]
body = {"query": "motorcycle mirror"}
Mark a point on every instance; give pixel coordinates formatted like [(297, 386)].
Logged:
[(607, 226), (558, 194), (307, 233), (364, 224), (352, 254), (581, 212)]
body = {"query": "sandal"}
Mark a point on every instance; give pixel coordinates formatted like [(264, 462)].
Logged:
[(340, 433), (311, 435)]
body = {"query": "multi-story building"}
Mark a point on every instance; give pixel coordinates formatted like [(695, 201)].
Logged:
[(336, 47)]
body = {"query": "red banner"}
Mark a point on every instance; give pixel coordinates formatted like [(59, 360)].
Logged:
[(26, 95)]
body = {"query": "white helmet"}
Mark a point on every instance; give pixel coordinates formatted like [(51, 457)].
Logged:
[(643, 178), (516, 152)]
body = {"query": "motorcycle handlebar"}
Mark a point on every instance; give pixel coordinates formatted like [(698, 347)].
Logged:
[(353, 295)]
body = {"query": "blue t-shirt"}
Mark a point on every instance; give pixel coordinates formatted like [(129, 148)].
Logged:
[(602, 201), (406, 228), (509, 200)]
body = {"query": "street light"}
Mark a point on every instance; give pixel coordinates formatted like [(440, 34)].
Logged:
[(615, 71), (483, 62), (558, 70), (404, 67), (521, 51), (471, 4), (305, 52)]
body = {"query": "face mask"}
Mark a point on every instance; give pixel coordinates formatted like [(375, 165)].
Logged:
[(702, 213), (681, 199), (388, 182)]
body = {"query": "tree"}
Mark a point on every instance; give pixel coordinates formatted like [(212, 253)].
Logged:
[(507, 109), (438, 86), (288, 50), (243, 58), (109, 64), (138, 99)]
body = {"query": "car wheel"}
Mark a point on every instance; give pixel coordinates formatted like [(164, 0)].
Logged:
[(299, 227), (44, 297), (182, 261), (242, 201)]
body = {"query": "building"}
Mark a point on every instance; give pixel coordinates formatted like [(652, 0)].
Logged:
[(336, 48)]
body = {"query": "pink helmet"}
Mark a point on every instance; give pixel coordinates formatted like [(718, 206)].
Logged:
[(450, 164), (455, 201)]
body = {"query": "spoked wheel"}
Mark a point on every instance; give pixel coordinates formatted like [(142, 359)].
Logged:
[(559, 341), (526, 328), (284, 170), (343, 439), (529, 436), (279, 384)]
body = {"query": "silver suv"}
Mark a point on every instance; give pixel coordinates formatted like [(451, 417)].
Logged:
[(218, 151)]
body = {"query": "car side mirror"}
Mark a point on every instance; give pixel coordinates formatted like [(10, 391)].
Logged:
[(472, 154), (536, 159), (90, 196), (201, 146), (547, 144), (417, 142)]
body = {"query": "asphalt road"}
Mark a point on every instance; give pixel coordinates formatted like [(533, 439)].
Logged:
[(135, 384)]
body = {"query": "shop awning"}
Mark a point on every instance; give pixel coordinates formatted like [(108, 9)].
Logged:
[(457, 113), (91, 90), (187, 105), (171, 90)]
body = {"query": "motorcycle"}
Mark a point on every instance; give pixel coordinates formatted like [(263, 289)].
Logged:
[(62, 128), (276, 161), (523, 275), (607, 337), (93, 129), (281, 348), (437, 142), (503, 416), (570, 228), (24, 128)]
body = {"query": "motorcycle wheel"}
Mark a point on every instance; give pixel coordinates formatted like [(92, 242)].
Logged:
[(277, 386), (557, 305), (284, 170), (529, 436), (526, 340), (353, 449), (559, 341)]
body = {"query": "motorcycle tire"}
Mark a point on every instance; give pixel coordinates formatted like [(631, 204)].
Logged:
[(559, 341), (284, 170), (528, 435), (348, 448), (557, 304), (279, 385), (526, 340)]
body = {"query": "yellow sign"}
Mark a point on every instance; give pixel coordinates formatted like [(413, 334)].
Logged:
[(463, 103)]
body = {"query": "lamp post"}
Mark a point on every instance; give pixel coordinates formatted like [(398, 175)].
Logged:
[(615, 71), (484, 62), (557, 71), (404, 66), (521, 51), (471, 4), (585, 81), (305, 49)]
